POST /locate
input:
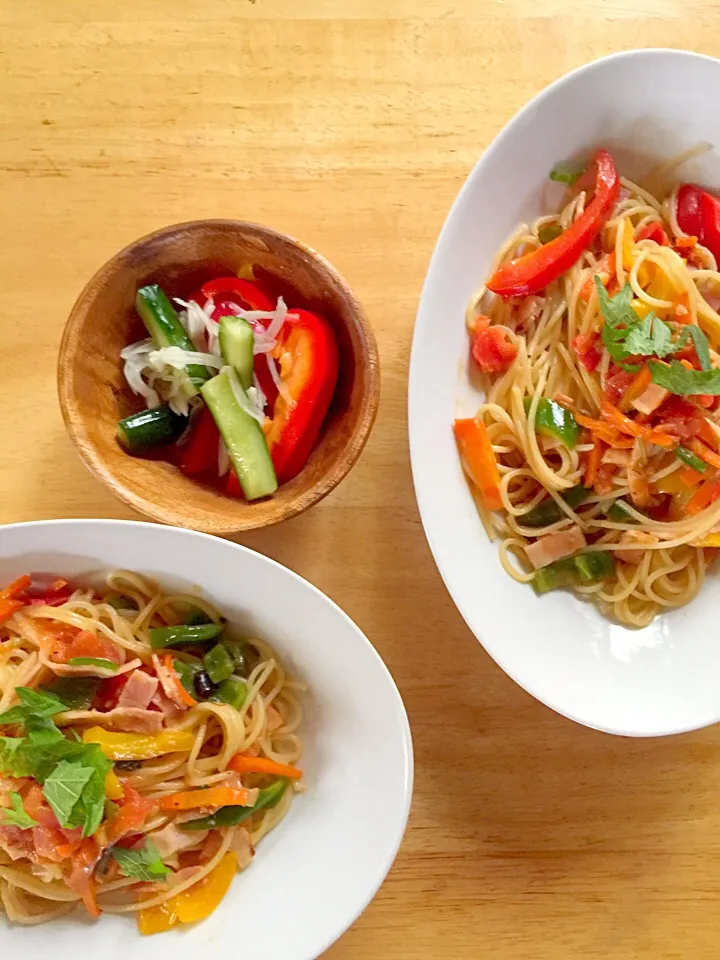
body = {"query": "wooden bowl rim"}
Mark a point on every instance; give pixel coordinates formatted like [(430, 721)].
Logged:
[(233, 521)]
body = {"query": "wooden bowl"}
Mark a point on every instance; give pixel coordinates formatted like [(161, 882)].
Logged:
[(94, 394)]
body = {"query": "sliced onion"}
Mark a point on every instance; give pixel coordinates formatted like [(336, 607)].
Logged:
[(241, 397), (260, 397), (199, 324), (136, 383), (179, 358)]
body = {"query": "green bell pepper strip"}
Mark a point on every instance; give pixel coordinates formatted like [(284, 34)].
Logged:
[(549, 232), (618, 512), (548, 511), (231, 691), (554, 420), (161, 637), (571, 571), (186, 672), (218, 663), (232, 816), (94, 662), (77, 693)]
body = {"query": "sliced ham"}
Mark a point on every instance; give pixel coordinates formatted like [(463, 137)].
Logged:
[(620, 458), (129, 719), (167, 682), (243, 848), (634, 536), (273, 720), (637, 475), (64, 670), (171, 840), (169, 710), (555, 546), (650, 399), (139, 690)]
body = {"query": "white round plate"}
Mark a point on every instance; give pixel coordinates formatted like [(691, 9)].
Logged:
[(645, 107), (314, 874)]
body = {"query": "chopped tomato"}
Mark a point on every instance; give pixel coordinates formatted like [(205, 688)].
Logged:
[(132, 813), (492, 350), (81, 879), (86, 644), (587, 349), (616, 385)]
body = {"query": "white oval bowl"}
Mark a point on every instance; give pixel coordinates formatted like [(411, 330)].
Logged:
[(645, 106), (318, 870)]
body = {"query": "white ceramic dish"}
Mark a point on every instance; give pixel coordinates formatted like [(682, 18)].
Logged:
[(319, 869), (645, 107)]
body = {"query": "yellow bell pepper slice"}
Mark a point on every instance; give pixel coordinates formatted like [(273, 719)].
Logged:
[(709, 540), (194, 904), (628, 246), (113, 787), (157, 919), (137, 746), (641, 308)]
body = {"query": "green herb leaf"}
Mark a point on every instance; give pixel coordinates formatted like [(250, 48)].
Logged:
[(64, 787), (566, 173), (144, 864), (16, 816), (619, 319), (77, 693), (679, 380), (34, 704), (702, 347), (10, 763), (650, 338), (93, 662)]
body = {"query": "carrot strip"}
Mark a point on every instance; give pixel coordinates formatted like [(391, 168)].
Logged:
[(706, 493), (706, 433), (593, 462), (182, 693), (478, 460), (638, 386), (212, 797), (689, 476), (241, 763), (704, 452), (626, 425)]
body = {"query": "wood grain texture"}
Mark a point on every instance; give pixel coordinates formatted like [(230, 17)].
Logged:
[(352, 124), (180, 258)]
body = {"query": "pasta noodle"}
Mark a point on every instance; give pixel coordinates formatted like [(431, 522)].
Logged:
[(158, 792), (661, 549)]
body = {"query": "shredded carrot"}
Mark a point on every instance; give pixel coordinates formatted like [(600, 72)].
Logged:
[(638, 386), (478, 460), (704, 452), (686, 243), (706, 493), (8, 603), (626, 425), (241, 763), (689, 476), (706, 433), (182, 693), (593, 462), (211, 797)]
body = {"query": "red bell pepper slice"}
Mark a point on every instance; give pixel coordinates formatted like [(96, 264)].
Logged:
[(46, 590), (535, 270), (688, 210), (710, 223), (248, 294), (200, 454), (309, 380), (653, 231)]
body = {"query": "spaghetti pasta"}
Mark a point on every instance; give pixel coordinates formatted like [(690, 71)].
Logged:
[(592, 441), (86, 691)]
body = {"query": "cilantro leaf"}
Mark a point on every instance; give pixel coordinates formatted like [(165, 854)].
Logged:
[(702, 347), (16, 815), (679, 380), (144, 864), (63, 789)]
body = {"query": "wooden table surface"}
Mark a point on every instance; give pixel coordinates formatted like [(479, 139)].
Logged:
[(352, 124)]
